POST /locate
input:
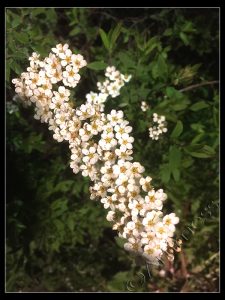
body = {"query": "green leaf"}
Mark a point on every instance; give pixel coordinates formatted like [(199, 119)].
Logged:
[(151, 45), (97, 65), (123, 104), (118, 282), (165, 173), (168, 32), (159, 67), (162, 66), (104, 38), (197, 138), (184, 38), (126, 59), (174, 157), (22, 37), (188, 27), (199, 105), (177, 130), (119, 241), (115, 34), (187, 162), (16, 21), (179, 106), (75, 31), (176, 174), (16, 68), (200, 151), (172, 93), (37, 11)]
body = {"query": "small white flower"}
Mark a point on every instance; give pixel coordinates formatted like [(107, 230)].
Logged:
[(153, 201), (124, 155), (161, 230), (108, 203), (71, 76), (136, 206), (170, 220), (150, 220), (146, 183), (90, 155), (107, 141), (110, 216), (136, 169), (78, 61), (60, 49), (65, 57), (126, 142), (126, 77), (121, 129), (115, 117)]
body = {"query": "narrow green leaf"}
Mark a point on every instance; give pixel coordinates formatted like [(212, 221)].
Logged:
[(177, 130), (200, 151), (115, 34), (174, 157), (123, 104), (184, 38), (199, 105), (97, 65), (176, 174), (179, 106), (151, 45), (197, 138), (104, 38), (199, 155), (165, 173), (75, 31)]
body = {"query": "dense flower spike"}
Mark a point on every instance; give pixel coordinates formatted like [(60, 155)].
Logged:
[(101, 148)]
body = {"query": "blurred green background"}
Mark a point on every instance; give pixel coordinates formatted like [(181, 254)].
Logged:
[(57, 238)]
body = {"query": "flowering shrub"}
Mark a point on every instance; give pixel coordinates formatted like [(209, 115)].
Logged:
[(57, 239), (101, 148)]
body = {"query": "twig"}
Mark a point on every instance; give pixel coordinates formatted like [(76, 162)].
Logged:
[(183, 264), (191, 87)]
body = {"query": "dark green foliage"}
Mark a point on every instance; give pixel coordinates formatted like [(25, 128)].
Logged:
[(57, 238)]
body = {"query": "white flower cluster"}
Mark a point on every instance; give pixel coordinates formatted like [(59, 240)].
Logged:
[(159, 128), (101, 148), (144, 106)]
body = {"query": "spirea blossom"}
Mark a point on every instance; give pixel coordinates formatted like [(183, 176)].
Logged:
[(101, 148)]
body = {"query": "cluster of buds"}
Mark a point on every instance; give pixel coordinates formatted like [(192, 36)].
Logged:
[(101, 148), (158, 128)]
